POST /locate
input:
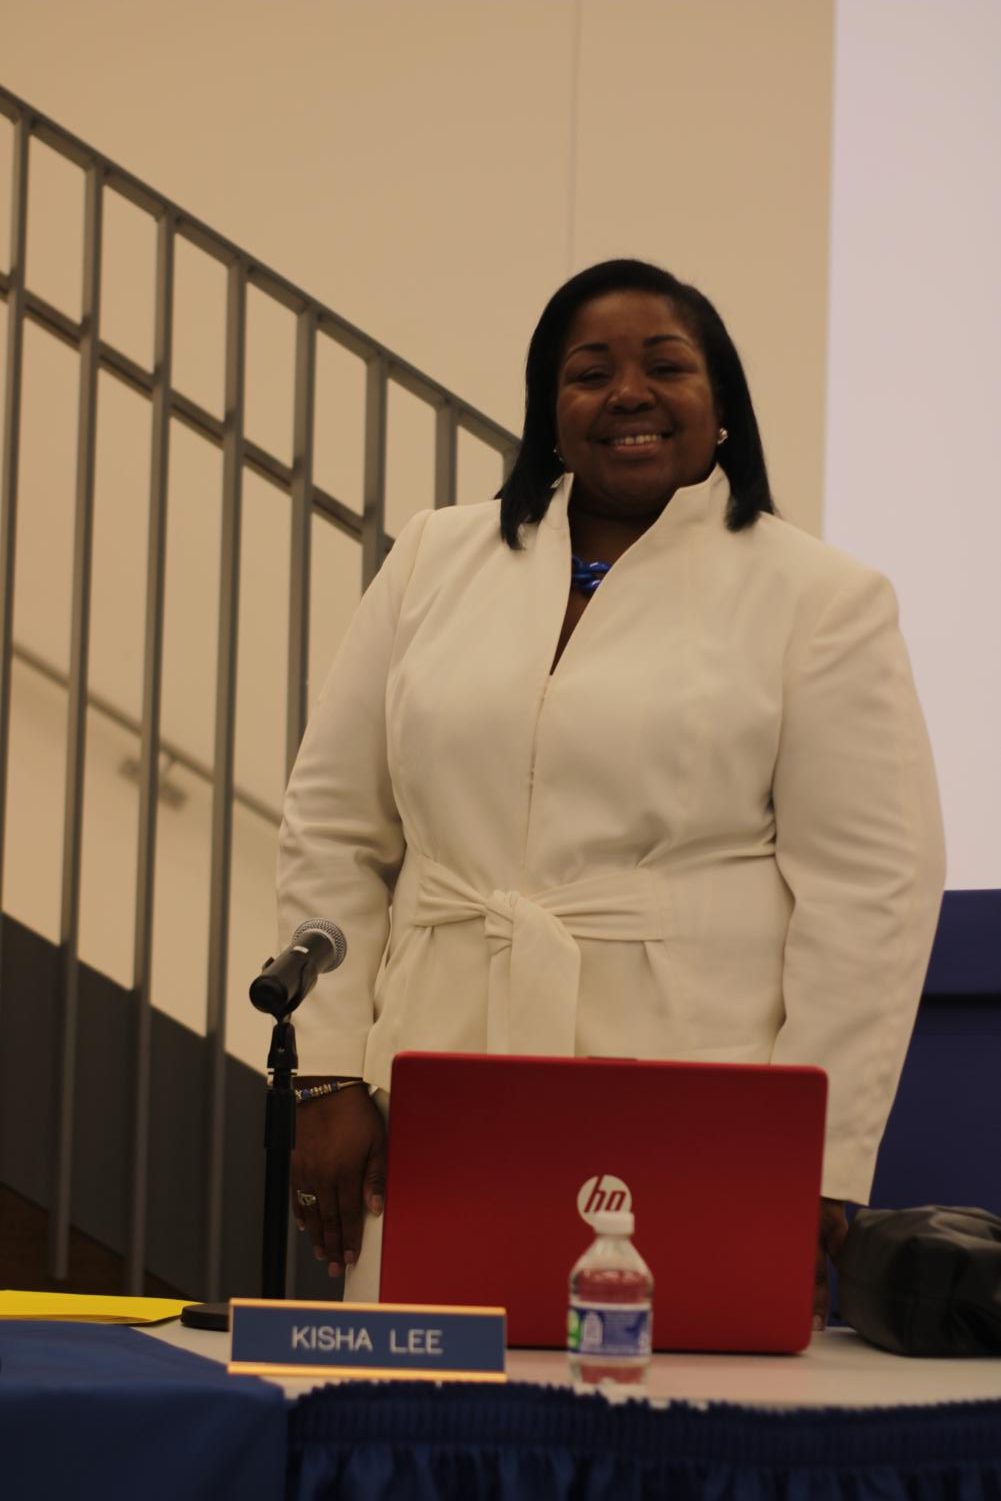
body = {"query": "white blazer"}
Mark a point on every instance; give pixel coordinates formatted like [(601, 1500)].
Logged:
[(711, 833)]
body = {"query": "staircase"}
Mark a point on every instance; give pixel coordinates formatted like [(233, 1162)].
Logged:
[(175, 568)]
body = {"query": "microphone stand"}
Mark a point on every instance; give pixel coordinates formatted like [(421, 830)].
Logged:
[(282, 984), (279, 1139)]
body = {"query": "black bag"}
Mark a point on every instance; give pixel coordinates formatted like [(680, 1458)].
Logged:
[(924, 1281)]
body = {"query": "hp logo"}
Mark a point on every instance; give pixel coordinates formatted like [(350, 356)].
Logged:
[(603, 1192)]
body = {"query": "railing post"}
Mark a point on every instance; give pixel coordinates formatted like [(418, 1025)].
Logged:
[(16, 299), (508, 457), (300, 583), (76, 747), (446, 455), (373, 522), (222, 789), (297, 701), (149, 778)]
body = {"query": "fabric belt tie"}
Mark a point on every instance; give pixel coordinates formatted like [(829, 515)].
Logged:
[(534, 970)]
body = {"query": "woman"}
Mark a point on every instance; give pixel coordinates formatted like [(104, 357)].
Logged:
[(638, 765)]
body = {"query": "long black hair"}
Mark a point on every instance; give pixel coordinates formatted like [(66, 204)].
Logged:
[(526, 493)]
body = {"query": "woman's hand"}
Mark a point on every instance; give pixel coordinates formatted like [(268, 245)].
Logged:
[(833, 1229), (340, 1156)]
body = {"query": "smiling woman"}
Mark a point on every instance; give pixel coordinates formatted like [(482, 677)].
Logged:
[(630, 377), (635, 410), (637, 766), (684, 328), (636, 419)]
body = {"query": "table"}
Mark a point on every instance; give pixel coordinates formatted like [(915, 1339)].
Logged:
[(98, 1411), (117, 1413), (837, 1370), (841, 1422)]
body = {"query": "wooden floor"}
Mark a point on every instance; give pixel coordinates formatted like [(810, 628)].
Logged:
[(23, 1252)]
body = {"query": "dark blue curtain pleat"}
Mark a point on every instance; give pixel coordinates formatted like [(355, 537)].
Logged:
[(409, 1443)]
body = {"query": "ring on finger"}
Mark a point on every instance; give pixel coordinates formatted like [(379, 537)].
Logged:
[(304, 1199)]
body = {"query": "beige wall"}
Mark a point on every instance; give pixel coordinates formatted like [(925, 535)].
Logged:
[(416, 165), (704, 143), (432, 171)]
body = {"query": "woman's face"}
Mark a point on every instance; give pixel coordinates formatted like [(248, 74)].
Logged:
[(635, 412)]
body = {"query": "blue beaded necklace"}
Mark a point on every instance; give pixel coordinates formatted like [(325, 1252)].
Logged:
[(586, 577)]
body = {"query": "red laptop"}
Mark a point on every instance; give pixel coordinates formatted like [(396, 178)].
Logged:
[(496, 1164)]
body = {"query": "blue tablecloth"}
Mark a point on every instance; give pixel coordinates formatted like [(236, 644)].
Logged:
[(91, 1412), (523, 1443), (98, 1411)]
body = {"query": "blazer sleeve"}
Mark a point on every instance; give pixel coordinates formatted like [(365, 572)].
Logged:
[(341, 842), (859, 844)]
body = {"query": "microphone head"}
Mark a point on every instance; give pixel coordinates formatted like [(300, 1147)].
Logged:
[(331, 931)]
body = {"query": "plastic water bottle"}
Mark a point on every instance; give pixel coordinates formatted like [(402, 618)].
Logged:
[(610, 1321)]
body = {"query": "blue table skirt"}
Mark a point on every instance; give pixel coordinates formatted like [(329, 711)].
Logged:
[(103, 1412), (98, 1411), (409, 1443)]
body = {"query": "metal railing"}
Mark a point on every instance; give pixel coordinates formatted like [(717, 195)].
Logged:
[(314, 322)]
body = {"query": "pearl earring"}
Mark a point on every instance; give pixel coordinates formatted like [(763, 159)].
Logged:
[(723, 435)]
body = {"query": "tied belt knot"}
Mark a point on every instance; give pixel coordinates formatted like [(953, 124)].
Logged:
[(534, 970)]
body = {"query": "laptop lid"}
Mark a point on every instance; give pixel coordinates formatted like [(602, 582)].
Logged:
[(496, 1164)]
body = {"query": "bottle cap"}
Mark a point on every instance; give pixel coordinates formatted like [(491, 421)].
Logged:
[(614, 1222)]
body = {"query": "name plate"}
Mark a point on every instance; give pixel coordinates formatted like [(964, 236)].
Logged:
[(375, 1340)]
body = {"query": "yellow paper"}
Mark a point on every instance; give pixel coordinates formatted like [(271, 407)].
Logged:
[(92, 1308)]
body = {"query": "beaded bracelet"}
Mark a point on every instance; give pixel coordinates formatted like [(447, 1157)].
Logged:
[(317, 1091)]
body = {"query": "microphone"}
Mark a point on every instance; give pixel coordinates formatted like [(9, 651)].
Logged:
[(317, 946)]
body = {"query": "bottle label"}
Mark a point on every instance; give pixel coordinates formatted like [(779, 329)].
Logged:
[(609, 1329)]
